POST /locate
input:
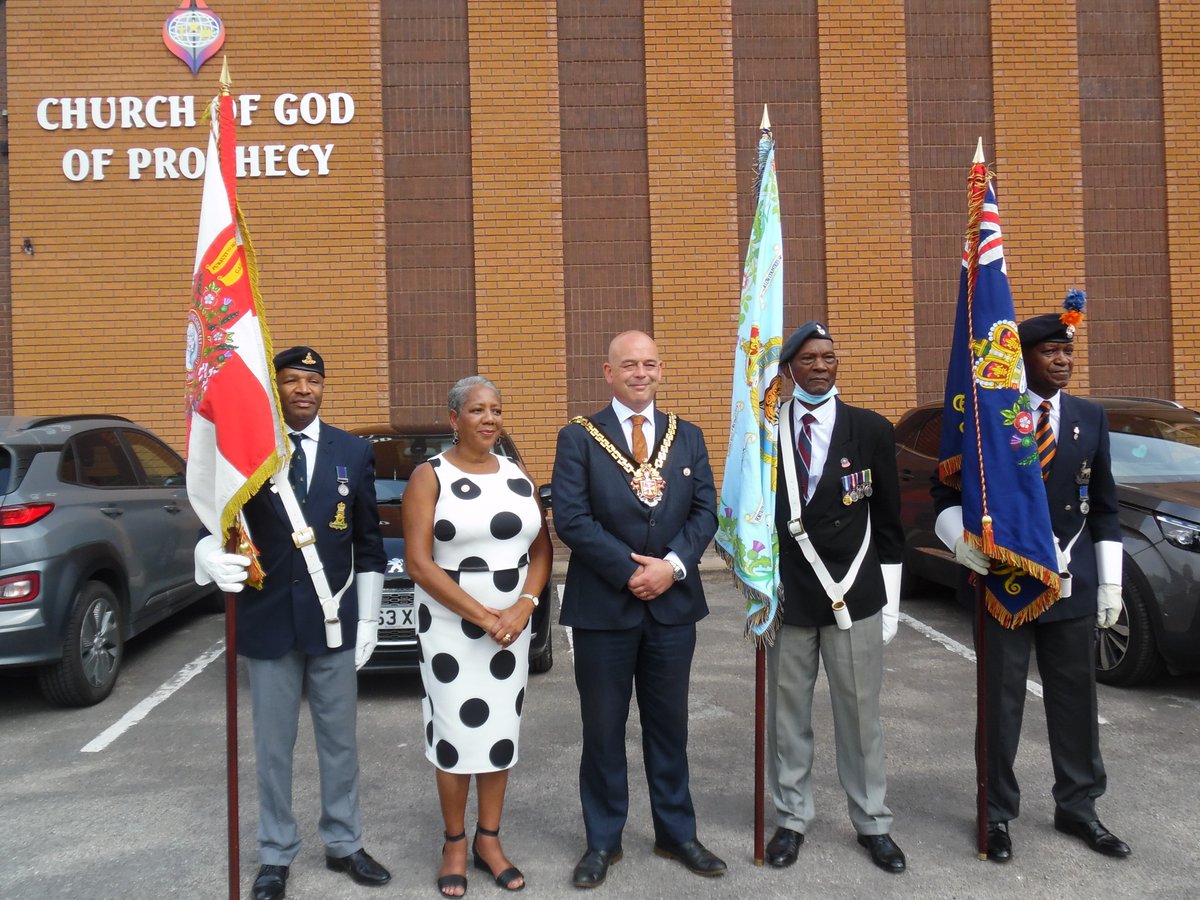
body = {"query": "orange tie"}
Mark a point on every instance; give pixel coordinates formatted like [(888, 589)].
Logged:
[(640, 453)]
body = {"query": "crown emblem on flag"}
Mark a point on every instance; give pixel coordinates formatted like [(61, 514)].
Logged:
[(998, 358)]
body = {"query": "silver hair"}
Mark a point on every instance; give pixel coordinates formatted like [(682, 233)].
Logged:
[(464, 386)]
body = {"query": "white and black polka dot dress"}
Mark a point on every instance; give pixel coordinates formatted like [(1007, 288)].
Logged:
[(474, 688)]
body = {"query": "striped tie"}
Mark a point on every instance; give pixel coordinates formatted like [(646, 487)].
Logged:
[(1045, 438), (804, 446)]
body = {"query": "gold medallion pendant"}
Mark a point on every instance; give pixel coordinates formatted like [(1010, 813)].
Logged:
[(648, 484)]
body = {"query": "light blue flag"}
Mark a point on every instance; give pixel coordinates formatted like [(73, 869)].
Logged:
[(746, 537)]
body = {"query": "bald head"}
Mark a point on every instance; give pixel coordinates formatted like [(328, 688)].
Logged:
[(633, 369)]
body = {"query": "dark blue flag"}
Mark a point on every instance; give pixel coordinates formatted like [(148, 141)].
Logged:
[(988, 451)]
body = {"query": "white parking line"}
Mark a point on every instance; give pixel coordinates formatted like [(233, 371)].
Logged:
[(139, 712), (966, 652)]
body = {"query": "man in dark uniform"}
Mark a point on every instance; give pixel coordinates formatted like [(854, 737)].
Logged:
[(1072, 436), (281, 629), (634, 500), (840, 481)]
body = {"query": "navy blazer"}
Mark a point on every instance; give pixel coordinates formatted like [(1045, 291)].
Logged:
[(1082, 439), (598, 516), (286, 612), (861, 440)]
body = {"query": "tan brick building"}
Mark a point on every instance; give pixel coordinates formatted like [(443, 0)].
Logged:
[(437, 187)]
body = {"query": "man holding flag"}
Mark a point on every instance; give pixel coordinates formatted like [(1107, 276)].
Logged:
[(1026, 500), (316, 526)]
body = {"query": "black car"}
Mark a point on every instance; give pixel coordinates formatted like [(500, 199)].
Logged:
[(1156, 463), (399, 450)]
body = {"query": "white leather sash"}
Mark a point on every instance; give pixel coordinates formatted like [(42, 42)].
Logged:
[(836, 590), (306, 541)]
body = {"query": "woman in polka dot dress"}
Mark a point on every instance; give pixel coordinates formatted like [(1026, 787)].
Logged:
[(477, 548)]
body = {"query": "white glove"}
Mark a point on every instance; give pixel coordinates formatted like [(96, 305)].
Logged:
[(974, 559), (891, 608), (1108, 605), (949, 528), (369, 588), (214, 565)]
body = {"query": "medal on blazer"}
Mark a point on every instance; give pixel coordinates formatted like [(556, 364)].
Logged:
[(646, 479), (339, 521), (343, 481), (1084, 479)]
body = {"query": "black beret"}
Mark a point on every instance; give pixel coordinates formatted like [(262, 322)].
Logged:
[(793, 344), (304, 358), (1045, 328)]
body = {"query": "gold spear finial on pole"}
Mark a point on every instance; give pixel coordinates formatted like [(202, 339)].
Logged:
[(226, 81), (978, 152), (766, 120)]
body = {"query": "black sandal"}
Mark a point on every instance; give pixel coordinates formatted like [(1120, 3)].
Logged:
[(452, 881), (505, 878)]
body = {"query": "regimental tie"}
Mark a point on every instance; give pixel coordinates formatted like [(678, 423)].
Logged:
[(298, 472), (640, 452), (804, 446), (1045, 438)]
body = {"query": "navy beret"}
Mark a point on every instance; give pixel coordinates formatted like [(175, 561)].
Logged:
[(793, 344), (304, 358), (1047, 328)]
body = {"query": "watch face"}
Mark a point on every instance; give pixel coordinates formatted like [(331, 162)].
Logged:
[(678, 572)]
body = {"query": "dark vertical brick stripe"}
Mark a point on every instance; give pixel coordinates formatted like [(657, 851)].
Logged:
[(606, 212), (1124, 199), (950, 108), (775, 61), (427, 184)]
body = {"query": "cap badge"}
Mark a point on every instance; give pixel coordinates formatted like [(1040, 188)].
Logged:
[(308, 359)]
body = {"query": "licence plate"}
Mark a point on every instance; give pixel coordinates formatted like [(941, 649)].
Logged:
[(400, 615)]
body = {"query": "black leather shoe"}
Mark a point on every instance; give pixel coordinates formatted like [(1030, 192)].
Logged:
[(593, 867), (271, 883), (360, 867), (694, 855), (1094, 835), (884, 852), (999, 844), (784, 847)]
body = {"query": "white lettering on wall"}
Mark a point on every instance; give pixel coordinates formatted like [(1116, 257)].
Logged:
[(162, 111)]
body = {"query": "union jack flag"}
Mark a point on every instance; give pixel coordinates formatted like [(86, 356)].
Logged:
[(988, 450)]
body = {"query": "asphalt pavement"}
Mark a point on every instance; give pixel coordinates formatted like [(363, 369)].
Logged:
[(126, 800)]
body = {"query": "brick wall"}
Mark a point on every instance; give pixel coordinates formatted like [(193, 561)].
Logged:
[(99, 310)]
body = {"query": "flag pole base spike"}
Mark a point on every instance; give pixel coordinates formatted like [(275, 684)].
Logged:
[(982, 857), (758, 861)]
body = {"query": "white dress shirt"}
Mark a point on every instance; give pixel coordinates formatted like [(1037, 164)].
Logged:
[(1055, 410), (310, 440), (822, 434)]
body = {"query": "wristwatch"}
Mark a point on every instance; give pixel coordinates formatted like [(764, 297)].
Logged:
[(678, 569)]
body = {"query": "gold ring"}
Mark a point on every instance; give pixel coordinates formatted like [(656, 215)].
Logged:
[(508, 637)]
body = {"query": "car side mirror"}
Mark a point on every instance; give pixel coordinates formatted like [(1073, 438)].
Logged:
[(544, 495)]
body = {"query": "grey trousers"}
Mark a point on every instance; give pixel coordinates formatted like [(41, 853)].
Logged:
[(275, 690), (854, 667)]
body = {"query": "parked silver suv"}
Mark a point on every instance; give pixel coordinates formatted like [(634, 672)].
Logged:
[(96, 539)]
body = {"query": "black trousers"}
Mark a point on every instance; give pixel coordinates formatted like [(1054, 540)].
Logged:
[(1066, 663)]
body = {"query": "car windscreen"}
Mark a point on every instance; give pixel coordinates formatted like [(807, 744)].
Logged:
[(1155, 448), (397, 455), (5, 469)]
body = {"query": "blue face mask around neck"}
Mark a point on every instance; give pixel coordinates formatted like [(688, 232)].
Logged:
[(814, 399)]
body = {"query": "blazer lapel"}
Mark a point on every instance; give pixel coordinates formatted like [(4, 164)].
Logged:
[(1067, 452)]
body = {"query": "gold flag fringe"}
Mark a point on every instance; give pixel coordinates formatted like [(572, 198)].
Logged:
[(1045, 600), (752, 594)]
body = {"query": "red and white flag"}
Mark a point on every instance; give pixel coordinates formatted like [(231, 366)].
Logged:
[(236, 439)]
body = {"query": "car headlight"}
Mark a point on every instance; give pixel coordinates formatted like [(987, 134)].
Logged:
[(1179, 532)]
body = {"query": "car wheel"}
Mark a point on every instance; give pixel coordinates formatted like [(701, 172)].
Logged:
[(92, 651), (1126, 653), (544, 660)]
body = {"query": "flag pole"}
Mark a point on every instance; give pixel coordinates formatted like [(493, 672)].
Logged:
[(760, 720), (231, 725), (981, 728)]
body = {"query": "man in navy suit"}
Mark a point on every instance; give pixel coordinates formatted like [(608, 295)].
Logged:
[(842, 474), (634, 500), (281, 629), (1084, 514)]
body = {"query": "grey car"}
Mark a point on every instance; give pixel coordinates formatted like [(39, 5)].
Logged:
[(1155, 447), (96, 540)]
